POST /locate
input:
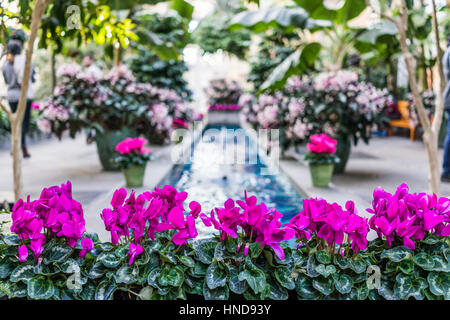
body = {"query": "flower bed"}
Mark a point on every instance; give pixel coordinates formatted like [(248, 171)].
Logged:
[(152, 256)]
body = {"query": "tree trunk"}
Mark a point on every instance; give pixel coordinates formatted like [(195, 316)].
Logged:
[(53, 69), (16, 119), (117, 53), (430, 137), (16, 136)]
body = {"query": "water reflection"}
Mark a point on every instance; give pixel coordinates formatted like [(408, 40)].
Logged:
[(212, 176)]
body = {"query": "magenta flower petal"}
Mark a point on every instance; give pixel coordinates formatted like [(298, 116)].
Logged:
[(23, 253)]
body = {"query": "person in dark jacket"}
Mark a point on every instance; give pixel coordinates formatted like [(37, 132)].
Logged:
[(13, 69), (446, 65)]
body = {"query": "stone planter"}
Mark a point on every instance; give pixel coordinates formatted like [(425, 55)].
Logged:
[(321, 174), (134, 176), (344, 148), (106, 144)]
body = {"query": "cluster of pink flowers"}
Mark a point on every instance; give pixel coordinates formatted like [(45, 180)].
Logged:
[(51, 113), (409, 215), (120, 72), (180, 123), (223, 92), (322, 144), (258, 223), (331, 223), (56, 214), (334, 80), (225, 107), (133, 145), (68, 70), (164, 211)]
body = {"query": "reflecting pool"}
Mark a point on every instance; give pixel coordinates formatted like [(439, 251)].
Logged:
[(210, 181)]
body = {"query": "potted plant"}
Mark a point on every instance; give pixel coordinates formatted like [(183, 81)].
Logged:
[(321, 157), (132, 159), (337, 103), (115, 106)]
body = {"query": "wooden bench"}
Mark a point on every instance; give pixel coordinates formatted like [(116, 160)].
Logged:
[(404, 122)]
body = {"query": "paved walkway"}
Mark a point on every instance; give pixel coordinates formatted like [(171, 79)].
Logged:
[(385, 162)]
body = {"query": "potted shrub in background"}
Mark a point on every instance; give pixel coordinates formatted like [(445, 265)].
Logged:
[(132, 159), (338, 104), (115, 107), (321, 157), (223, 99)]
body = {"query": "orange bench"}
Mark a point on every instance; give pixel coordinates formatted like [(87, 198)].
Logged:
[(404, 122)]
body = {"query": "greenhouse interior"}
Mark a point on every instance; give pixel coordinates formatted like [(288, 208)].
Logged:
[(193, 150)]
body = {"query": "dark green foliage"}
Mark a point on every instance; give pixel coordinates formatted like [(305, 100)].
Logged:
[(148, 66), (215, 270), (274, 48), (212, 35)]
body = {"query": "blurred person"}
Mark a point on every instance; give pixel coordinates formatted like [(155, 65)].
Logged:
[(446, 65), (13, 70)]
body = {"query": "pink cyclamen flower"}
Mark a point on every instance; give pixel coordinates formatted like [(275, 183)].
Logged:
[(55, 214), (135, 251), (322, 143), (408, 216), (87, 245), (132, 145), (23, 253)]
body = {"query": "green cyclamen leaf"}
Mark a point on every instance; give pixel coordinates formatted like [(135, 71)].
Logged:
[(277, 292), (204, 250), (7, 265), (439, 283), (396, 254), (284, 277), (409, 286), (424, 260), (220, 293), (40, 288), (237, 286), (324, 286), (326, 270), (126, 274), (187, 261), (171, 276), (105, 290), (311, 267), (23, 272), (358, 265), (215, 276), (109, 259), (58, 253), (255, 278), (406, 266), (323, 257), (343, 283), (440, 264), (304, 287)]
